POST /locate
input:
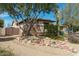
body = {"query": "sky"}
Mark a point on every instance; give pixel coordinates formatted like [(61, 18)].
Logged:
[(8, 20)]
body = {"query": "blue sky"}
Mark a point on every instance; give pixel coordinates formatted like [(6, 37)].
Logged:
[(8, 20)]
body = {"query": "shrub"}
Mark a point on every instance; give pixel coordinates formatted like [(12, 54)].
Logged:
[(1, 23), (4, 52), (52, 31)]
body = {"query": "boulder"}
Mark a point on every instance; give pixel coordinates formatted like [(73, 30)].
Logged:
[(32, 38), (74, 38)]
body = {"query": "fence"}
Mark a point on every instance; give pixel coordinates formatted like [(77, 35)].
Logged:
[(11, 31)]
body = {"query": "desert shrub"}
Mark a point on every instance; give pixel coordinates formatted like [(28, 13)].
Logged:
[(4, 52), (52, 31), (60, 37), (1, 23), (75, 28)]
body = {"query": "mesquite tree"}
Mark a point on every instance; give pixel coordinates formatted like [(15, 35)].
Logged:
[(71, 15), (28, 11)]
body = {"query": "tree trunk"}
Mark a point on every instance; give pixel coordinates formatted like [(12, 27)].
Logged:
[(58, 27), (31, 25)]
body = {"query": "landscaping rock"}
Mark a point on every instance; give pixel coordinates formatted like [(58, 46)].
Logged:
[(74, 38), (29, 42), (49, 42), (55, 44), (32, 38)]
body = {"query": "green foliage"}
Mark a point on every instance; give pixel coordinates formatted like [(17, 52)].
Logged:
[(71, 14), (4, 52), (23, 10), (52, 31), (75, 28), (1, 23), (29, 10), (60, 37)]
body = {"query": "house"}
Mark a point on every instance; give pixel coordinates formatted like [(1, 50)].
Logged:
[(38, 27)]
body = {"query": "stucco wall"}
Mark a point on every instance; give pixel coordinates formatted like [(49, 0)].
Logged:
[(2, 31), (39, 30)]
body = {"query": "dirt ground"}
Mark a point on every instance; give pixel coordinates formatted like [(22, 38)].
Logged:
[(20, 49)]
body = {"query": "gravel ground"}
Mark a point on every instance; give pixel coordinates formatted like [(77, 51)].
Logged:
[(20, 49)]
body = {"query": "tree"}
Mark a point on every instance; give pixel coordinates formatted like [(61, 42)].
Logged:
[(29, 11), (58, 19), (1, 23), (71, 15)]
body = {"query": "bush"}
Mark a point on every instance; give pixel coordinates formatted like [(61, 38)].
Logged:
[(5, 52), (1, 23), (52, 31), (75, 28), (59, 37)]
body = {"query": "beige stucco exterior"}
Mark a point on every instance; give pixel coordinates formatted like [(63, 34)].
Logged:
[(37, 28), (16, 26), (40, 29), (2, 31)]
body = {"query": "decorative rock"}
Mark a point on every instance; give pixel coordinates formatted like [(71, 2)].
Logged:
[(29, 41), (74, 51), (74, 37), (52, 43), (32, 38)]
